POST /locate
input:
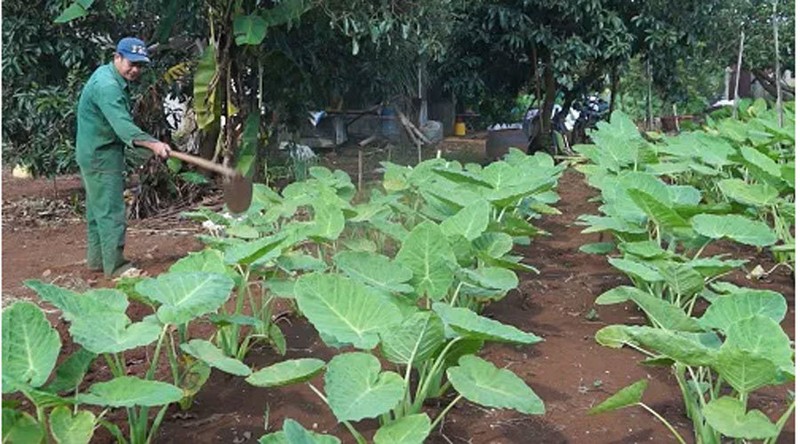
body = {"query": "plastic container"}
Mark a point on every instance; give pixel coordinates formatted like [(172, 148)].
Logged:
[(498, 141), (389, 125), (432, 129), (460, 129)]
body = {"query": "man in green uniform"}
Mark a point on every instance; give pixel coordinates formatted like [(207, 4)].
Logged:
[(105, 128)]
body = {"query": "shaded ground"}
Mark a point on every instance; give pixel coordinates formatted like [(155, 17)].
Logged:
[(569, 371)]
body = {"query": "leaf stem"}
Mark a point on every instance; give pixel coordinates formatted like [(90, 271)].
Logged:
[(665, 422), (157, 354), (444, 412), (359, 438), (781, 423), (422, 389)]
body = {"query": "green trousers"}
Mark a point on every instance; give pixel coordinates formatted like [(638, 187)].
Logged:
[(105, 219)]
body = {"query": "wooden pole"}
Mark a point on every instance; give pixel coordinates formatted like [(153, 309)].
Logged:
[(360, 167), (779, 103), (675, 116), (738, 76), (649, 97)]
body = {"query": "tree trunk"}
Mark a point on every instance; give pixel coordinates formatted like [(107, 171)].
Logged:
[(614, 87), (543, 139), (769, 85)]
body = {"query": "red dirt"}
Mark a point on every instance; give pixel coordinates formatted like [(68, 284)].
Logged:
[(569, 371)]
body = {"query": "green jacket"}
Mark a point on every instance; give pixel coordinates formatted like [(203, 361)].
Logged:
[(105, 124)]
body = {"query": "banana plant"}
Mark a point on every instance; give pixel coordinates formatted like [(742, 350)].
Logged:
[(99, 324), (719, 360)]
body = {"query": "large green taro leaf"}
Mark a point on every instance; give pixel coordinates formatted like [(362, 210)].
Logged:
[(413, 341), (208, 260), (470, 222), (710, 150), (71, 371), (448, 198), (186, 296), (616, 295), (20, 427), (639, 269), (392, 229), (214, 357), (727, 310), (615, 223), (613, 336), (663, 215), (626, 397), (112, 332), (286, 372), (258, 250), (345, 309), (684, 195), (412, 429), (488, 282), (295, 261), (619, 141), (761, 161), (129, 391), (493, 245), (328, 221), (463, 177), (375, 270), (746, 371), (644, 249), (730, 417), (30, 346), (761, 336), (470, 325), (74, 305), (714, 266), (357, 389), (735, 227), (661, 313), (429, 256), (681, 278), (756, 194), (482, 383), (682, 347), (69, 429), (294, 433)]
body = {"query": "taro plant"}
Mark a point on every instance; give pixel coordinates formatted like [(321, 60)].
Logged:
[(99, 324), (719, 360), (438, 242), (30, 349), (661, 230), (428, 344)]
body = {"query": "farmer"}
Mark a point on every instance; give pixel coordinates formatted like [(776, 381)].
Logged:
[(105, 128)]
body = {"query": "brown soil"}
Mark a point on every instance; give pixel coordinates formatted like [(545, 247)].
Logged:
[(569, 371)]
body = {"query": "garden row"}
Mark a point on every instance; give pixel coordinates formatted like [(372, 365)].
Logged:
[(395, 283), (665, 202)]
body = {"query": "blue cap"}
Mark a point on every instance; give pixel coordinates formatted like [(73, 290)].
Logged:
[(133, 49)]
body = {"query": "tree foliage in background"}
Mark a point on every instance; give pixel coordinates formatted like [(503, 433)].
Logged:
[(271, 62), (544, 46), (45, 65)]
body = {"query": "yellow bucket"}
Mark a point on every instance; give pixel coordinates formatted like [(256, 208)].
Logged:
[(461, 129)]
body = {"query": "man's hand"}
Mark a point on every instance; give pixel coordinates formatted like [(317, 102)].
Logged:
[(160, 149)]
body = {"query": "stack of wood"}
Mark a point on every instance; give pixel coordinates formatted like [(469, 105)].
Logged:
[(414, 133)]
